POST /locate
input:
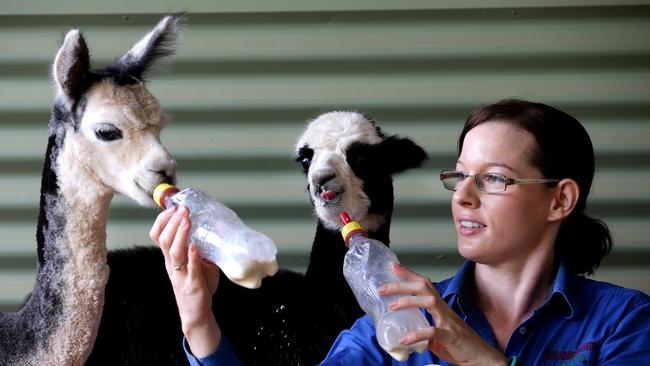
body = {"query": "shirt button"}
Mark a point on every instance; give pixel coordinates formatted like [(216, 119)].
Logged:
[(522, 330)]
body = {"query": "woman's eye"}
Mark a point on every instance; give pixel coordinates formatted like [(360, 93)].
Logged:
[(108, 133), (494, 178)]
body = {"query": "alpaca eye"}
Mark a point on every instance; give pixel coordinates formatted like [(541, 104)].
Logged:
[(108, 133), (305, 162), (304, 156)]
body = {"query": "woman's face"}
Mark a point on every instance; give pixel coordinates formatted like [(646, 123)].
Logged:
[(494, 228)]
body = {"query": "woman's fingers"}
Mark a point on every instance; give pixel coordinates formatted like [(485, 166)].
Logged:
[(405, 288), (424, 302), (194, 266), (159, 225), (412, 277), (423, 294), (407, 274), (171, 235), (432, 304), (430, 334), (178, 253), (166, 238)]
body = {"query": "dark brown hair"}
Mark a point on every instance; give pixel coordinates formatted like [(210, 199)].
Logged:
[(564, 150)]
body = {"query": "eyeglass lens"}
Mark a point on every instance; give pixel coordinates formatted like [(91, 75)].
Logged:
[(486, 182)]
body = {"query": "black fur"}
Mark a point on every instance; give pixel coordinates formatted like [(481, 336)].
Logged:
[(22, 332), (161, 45), (140, 322)]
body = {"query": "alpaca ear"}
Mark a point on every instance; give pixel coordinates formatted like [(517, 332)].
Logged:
[(70, 69), (399, 154), (157, 43)]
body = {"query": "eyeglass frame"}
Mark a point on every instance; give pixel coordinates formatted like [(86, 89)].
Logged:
[(508, 181)]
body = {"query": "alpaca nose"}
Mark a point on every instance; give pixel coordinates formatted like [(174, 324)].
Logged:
[(322, 181), (167, 171), (166, 177)]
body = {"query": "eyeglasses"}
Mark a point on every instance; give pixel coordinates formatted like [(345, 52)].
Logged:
[(486, 182)]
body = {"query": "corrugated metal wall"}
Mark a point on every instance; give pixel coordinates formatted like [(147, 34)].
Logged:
[(248, 76)]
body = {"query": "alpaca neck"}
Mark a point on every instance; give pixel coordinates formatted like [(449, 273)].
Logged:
[(62, 315), (325, 274)]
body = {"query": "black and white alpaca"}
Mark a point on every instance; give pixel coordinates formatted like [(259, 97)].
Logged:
[(293, 319), (103, 138)]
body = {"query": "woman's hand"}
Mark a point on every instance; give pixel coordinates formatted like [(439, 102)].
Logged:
[(194, 280), (451, 338)]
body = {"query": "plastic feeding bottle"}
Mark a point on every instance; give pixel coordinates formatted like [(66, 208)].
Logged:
[(367, 267), (245, 256)]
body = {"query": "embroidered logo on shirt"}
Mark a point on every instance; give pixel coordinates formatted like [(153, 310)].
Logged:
[(582, 356)]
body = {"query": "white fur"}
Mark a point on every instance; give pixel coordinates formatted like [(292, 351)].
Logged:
[(330, 135), (130, 164)]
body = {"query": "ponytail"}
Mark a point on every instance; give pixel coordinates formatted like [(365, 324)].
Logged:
[(582, 242)]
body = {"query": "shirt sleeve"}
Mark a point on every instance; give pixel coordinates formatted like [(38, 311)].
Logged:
[(357, 346), (223, 355), (628, 345)]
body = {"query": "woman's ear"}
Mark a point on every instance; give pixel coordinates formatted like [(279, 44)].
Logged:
[(564, 201)]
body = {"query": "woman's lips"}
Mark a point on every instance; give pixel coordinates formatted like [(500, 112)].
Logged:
[(469, 226)]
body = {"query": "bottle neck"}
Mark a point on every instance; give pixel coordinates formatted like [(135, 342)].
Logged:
[(352, 229), (353, 234), (166, 194)]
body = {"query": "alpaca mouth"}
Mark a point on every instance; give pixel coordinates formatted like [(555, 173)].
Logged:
[(144, 190), (330, 196), (156, 181)]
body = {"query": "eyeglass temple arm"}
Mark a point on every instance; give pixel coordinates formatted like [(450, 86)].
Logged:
[(532, 180)]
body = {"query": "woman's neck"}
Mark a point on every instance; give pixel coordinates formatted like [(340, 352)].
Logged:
[(508, 294)]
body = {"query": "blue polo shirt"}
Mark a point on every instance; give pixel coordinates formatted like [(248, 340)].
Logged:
[(582, 322)]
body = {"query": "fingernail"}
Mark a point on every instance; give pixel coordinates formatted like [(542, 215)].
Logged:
[(403, 340), (381, 290), (185, 222)]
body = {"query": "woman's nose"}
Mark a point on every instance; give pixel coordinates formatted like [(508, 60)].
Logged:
[(466, 192)]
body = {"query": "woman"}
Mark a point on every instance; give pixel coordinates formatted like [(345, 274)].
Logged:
[(520, 189)]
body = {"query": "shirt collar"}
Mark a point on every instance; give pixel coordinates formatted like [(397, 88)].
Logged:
[(457, 292), (563, 290)]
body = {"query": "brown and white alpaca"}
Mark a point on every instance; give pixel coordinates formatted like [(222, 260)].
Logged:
[(103, 138)]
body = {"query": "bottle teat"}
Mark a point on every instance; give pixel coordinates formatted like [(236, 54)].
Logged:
[(350, 227), (162, 191)]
